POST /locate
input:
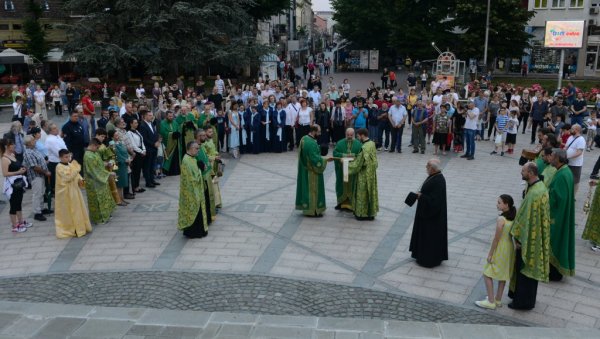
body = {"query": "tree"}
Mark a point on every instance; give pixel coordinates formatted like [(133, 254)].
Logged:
[(264, 9), (407, 27), (34, 31), (507, 36), (161, 35)]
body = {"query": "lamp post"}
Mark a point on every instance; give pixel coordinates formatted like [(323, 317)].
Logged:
[(435, 47), (487, 33)]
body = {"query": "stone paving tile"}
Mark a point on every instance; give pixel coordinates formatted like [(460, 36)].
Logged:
[(102, 328)]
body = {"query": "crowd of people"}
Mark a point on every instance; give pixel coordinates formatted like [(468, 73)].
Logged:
[(178, 130)]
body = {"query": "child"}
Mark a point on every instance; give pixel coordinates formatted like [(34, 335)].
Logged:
[(500, 127), (160, 160), (501, 257), (565, 133), (548, 120), (560, 122), (592, 124), (512, 129)]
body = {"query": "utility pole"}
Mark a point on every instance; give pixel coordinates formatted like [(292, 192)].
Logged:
[(487, 33)]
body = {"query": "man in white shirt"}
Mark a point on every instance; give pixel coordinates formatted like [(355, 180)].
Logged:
[(575, 147), (220, 84), (54, 143), (397, 115), (291, 114), (437, 98), (315, 95), (470, 130)]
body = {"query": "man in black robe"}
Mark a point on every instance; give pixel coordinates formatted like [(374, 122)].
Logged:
[(429, 240)]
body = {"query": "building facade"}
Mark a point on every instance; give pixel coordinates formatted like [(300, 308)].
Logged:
[(582, 62), (14, 12), (290, 32)]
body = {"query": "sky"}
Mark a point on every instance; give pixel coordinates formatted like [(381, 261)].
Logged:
[(321, 5)]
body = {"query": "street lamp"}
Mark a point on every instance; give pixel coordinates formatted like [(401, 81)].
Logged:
[(487, 33), (434, 46)]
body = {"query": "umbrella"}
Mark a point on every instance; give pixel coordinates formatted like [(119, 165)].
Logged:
[(9, 56)]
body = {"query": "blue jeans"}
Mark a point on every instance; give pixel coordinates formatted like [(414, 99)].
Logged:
[(577, 119), (470, 141)]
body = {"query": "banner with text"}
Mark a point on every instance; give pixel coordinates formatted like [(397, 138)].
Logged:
[(564, 34)]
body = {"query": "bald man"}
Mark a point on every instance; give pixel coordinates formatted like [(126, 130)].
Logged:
[(429, 240)]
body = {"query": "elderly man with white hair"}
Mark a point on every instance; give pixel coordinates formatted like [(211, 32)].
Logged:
[(37, 171), (429, 240)]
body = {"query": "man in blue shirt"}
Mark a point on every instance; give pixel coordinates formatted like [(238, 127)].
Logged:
[(538, 111), (360, 115), (419, 127), (578, 109)]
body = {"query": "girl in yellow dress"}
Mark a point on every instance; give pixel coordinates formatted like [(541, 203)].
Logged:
[(500, 259)]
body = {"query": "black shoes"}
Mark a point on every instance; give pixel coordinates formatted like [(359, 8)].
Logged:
[(39, 217)]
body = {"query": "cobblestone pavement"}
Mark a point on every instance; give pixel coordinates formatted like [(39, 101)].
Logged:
[(218, 292), (259, 232)]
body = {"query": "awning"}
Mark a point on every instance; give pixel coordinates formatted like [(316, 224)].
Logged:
[(9, 56), (56, 55)]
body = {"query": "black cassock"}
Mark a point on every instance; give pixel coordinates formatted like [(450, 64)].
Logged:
[(429, 240)]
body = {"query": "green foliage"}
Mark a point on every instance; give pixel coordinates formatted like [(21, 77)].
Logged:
[(264, 9), (36, 36), (165, 36), (407, 27), (507, 37)]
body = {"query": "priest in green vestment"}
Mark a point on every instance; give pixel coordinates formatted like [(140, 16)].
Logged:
[(100, 201), (531, 232), (348, 147), (592, 226), (207, 121), (213, 157), (548, 172), (187, 124), (206, 173), (192, 205), (365, 198), (170, 131), (562, 213), (310, 187)]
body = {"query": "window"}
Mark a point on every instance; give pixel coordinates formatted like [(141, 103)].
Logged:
[(4, 27), (48, 26), (17, 27), (540, 4), (9, 6), (576, 3), (558, 3)]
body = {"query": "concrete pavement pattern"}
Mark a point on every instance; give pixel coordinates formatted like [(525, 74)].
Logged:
[(258, 234)]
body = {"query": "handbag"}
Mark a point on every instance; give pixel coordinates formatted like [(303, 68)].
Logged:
[(18, 184), (220, 168), (449, 139), (498, 139)]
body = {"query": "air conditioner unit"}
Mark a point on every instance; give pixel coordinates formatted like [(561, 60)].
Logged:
[(594, 10), (592, 22)]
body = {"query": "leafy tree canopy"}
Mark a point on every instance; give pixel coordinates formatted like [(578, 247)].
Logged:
[(407, 27), (162, 35), (37, 45)]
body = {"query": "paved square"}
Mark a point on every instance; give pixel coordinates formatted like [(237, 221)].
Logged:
[(259, 232)]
